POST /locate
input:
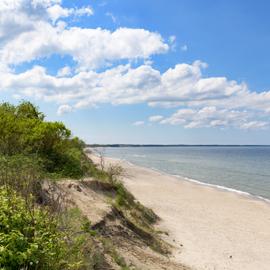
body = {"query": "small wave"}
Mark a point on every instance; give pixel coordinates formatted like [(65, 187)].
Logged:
[(262, 199), (141, 156), (244, 193)]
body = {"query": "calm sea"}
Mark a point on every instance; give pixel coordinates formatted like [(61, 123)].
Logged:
[(239, 168)]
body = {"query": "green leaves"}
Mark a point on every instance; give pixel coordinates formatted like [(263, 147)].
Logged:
[(31, 235), (28, 239), (27, 110), (23, 130)]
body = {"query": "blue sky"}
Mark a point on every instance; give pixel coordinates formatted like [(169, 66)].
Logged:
[(179, 71)]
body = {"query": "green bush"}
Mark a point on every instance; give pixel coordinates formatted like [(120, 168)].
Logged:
[(29, 237), (21, 173), (23, 130)]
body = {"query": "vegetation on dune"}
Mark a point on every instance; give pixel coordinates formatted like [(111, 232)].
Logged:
[(32, 237), (137, 217), (38, 234), (37, 229), (34, 233), (29, 238)]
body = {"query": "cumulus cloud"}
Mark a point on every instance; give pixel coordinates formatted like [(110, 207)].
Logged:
[(138, 123), (63, 72), (63, 109), (41, 9), (155, 118), (35, 29), (88, 11), (255, 125), (215, 117), (205, 102), (56, 12), (32, 29), (90, 48), (93, 48)]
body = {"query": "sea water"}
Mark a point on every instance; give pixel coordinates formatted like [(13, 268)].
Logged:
[(244, 169)]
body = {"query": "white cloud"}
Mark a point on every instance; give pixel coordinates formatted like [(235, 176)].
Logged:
[(32, 30), (255, 125), (63, 72), (90, 48), (44, 3), (205, 102), (215, 117), (56, 12), (155, 118), (138, 123), (87, 11), (63, 109)]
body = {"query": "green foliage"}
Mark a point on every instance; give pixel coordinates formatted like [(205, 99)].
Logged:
[(23, 130), (32, 236), (22, 174), (28, 110), (36, 232), (123, 197), (139, 218), (29, 239), (84, 250)]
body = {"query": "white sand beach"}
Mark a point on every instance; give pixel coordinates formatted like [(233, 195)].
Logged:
[(211, 228)]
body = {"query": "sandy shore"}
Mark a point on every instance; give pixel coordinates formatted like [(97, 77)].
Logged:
[(212, 229)]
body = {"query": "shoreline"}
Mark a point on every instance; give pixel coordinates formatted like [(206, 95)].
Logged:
[(196, 182), (211, 228)]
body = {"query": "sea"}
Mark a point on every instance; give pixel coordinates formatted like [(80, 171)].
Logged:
[(241, 169)]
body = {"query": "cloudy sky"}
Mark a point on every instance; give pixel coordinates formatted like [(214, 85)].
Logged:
[(117, 71)]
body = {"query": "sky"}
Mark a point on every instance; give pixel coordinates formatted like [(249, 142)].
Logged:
[(155, 71)]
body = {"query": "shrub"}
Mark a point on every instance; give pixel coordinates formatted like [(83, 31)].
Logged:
[(29, 238), (22, 174), (23, 130)]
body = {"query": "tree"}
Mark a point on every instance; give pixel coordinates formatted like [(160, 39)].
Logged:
[(28, 110), (23, 130)]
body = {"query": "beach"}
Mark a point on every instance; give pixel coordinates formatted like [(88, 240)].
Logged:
[(209, 228)]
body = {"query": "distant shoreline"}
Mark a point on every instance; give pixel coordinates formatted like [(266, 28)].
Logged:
[(176, 145)]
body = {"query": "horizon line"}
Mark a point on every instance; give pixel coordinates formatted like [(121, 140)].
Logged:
[(166, 145)]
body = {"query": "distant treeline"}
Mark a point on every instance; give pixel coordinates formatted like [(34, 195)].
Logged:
[(172, 145)]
